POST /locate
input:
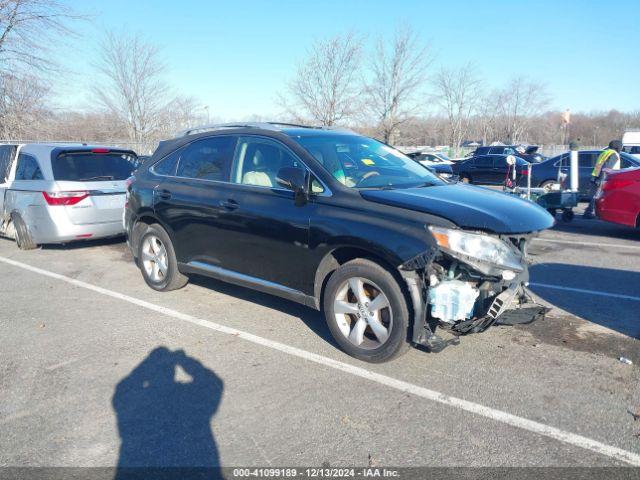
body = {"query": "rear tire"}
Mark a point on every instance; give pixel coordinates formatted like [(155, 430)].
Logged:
[(567, 215), (22, 235), (547, 185), (372, 324), (157, 260)]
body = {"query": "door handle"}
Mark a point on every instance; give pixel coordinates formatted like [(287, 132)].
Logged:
[(229, 204), (163, 194)]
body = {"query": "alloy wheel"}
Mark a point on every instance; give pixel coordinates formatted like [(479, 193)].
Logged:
[(154, 259), (363, 313)]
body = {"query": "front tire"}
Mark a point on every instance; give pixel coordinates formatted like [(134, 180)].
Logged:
[(366, 311), (157, 260)]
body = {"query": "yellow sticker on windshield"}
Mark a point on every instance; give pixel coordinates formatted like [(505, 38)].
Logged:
[(368, 161)]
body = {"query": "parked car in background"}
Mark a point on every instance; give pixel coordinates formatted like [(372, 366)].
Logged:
[(545, 174), (618, 198), (434, 162), (631, 143), (427, 158), (490, 169), (57, 193), (336, 221), (528, 153)]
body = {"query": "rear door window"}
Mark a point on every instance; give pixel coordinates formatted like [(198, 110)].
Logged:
[(563, 161), (207, 159), (496, 150), (88, 166), (587, 160), (28, 168)]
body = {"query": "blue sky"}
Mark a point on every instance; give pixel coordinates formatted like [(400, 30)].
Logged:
[(236, 56)]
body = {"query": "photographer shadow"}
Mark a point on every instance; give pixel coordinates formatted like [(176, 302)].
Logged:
[(164, 418)]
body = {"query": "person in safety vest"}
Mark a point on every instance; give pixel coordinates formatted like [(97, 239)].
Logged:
[(609, 158)]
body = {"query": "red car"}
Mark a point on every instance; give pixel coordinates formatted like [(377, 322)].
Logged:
[(618, 198)]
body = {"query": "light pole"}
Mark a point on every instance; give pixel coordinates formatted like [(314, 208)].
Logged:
[(206, 108)]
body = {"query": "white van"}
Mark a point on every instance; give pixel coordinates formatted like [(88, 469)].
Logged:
[(58, 193), (631, 142)]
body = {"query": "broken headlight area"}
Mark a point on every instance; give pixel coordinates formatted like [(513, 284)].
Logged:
[(470, 281)]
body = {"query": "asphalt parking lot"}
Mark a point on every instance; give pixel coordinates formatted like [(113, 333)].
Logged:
[(99, 370)]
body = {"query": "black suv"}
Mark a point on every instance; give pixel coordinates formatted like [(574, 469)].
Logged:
[(336, 221)]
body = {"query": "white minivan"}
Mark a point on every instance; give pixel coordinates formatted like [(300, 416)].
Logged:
[(58, 193), (631, 142)]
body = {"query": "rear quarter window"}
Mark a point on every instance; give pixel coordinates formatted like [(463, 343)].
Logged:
[(28, 168), (89, 166)]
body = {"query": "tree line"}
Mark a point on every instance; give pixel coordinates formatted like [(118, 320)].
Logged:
[(389, 88)]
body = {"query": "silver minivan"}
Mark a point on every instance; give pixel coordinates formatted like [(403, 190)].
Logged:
[(58, 193)]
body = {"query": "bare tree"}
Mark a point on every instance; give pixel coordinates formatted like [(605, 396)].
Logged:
[(132, 86), (22, 108), (519, 102), (458, 94), (325, 87), (179, 114), (28, 28), (396, 76)]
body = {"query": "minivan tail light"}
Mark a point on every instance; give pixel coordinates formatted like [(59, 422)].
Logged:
[(65, 198)]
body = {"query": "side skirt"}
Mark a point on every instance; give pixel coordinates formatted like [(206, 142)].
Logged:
[(248, 281)]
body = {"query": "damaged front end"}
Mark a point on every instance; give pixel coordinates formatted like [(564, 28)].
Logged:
[(467, 282)]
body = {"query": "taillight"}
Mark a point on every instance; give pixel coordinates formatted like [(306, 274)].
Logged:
[(65, 198), (128, 182), (613, 183), (100, 150)]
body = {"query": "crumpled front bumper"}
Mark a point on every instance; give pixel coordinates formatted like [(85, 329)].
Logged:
[(511, 306)]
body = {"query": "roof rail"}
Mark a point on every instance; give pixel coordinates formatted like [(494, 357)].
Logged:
[(262, 125), (222, 126)]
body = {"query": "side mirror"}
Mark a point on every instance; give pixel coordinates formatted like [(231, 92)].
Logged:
[(294, 179)]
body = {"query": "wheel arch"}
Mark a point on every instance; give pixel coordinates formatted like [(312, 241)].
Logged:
[(145, 219), (545, 181), (343, 254)]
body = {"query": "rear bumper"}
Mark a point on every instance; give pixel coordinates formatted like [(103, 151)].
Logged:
[(49, 225), (608, 214)]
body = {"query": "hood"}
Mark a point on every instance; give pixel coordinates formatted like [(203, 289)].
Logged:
[(468, 207)]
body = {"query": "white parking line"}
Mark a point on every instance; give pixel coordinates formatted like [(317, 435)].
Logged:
[(580, 242), (432, 395), (587, 292)]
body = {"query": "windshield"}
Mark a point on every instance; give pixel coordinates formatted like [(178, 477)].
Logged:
[(443, 156), (361, 162), (89, 166)]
